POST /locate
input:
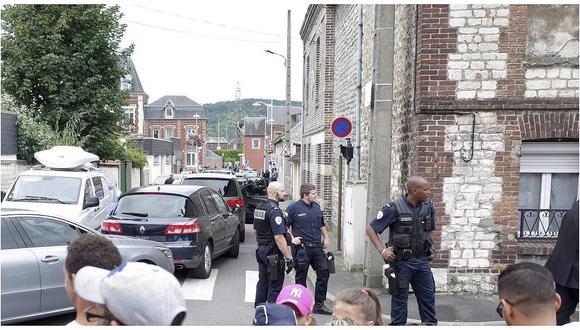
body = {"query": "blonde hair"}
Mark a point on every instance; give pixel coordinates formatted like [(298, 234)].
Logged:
[(368, 301)]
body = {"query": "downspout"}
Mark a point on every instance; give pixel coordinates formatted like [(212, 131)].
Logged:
[(358, 91)]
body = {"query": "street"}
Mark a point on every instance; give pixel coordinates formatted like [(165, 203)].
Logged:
[(225, 298)]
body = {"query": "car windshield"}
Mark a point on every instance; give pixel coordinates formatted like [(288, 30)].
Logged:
[(250, 174), (46, 189), (155, 206), (224, 187)]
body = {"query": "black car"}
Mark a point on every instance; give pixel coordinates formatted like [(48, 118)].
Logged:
[(193, 221), (227, 186)]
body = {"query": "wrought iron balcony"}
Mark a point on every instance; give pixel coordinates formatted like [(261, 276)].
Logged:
[(540, 224)]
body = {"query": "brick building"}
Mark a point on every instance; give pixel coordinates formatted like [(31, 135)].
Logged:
[(254, 135), (482, 100), (180, 117), (134, 108)]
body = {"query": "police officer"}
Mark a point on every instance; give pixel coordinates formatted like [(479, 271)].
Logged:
[(272, 253), (409, 250), (309, 240)]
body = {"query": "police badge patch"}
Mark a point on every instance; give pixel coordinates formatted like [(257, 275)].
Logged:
[(278, 220), (260, 214)]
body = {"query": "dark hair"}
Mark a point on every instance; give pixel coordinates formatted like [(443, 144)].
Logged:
[(91, 250), (306, 188), (367, 299), (527, 285)]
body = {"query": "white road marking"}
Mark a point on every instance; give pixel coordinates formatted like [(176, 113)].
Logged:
[(251, 281), (197, 289)]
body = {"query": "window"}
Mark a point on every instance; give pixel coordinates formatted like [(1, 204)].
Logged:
[(168, 133), (168, 111), (190, 132), (548, 187), (155, 160), (129, 115), (221, 206), (49, 232), (224, 187), (208, 202), (8, 241), (156, 133), (255, 143), (88, 190), (190, 159), (99, 189)]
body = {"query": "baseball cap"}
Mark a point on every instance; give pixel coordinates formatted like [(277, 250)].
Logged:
[(274, 314), (134, 292), (299, 296)]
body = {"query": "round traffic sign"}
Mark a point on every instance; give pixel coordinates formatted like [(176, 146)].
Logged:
[(341, 127)]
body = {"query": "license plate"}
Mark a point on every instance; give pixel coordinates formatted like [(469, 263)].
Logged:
[(143, 237)]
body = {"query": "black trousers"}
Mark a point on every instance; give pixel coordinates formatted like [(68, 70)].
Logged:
[(569, 302), (318, 262)]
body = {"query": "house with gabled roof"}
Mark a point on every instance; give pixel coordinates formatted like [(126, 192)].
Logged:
[(179, 117), (133, 111)]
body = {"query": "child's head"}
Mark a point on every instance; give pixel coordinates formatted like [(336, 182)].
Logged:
[(362, 306), (300, 299)]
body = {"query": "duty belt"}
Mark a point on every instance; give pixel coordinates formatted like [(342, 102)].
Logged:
[(265, 241), (312, 245)]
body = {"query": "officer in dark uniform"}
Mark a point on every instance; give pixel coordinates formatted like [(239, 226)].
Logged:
[(309, 239), (273, 239), (409, 250)]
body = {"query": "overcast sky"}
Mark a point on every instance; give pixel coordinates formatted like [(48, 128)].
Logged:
[(202, 49)]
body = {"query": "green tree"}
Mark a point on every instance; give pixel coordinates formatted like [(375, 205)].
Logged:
[(63, 61), (230, 155)]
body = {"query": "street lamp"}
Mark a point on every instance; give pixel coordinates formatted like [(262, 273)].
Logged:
[(196, 117)]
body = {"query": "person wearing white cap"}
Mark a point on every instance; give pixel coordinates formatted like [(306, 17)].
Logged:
[(133, 293)]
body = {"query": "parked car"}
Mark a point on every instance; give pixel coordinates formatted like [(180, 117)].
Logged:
[(227, 186), (33, 254), (67, 186), (194, 222)]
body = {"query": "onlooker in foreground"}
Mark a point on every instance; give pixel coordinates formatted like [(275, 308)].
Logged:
[(133, 293), (274, 314), (347, 321), (87, 250), (362, 306), (563, 264), (300, 299), (527, 295)]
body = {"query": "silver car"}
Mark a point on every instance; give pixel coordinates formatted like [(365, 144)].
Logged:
[(32, 259)]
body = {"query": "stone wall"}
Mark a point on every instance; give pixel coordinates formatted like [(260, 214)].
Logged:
[(10, 171)]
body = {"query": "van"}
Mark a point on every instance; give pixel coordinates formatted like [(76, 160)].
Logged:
[(67, 185)]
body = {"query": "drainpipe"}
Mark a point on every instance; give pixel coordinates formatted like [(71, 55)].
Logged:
[(358, 91)]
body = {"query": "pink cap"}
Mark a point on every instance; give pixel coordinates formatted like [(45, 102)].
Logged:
[(298, 296)]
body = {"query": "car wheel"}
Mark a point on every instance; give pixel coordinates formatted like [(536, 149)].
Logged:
[(243, 234), (235, 248), (204, 268)]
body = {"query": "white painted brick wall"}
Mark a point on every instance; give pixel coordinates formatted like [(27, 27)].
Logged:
[(468, 238), (477, 45), (551, 82)]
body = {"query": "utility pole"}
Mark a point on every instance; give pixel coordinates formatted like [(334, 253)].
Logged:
[(218, 137), (287, 127)]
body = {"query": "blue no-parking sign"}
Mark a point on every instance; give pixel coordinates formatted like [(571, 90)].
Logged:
[(341, 127)]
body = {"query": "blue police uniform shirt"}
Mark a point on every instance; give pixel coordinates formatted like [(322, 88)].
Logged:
[(389, 215), (277, 221), (306, 221)]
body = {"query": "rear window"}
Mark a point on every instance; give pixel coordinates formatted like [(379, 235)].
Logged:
[(157, 206), (224, 187)]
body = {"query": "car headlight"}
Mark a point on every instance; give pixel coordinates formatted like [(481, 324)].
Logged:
[(165, 251)]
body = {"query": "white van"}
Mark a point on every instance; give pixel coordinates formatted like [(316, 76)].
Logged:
[(66, 187)]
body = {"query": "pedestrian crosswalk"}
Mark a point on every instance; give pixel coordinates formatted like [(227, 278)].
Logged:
[(251, 281)]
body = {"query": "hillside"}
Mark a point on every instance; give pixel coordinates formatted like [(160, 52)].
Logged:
[(230, 112)]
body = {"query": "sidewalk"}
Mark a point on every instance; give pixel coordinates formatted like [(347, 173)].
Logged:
[(452, 310)]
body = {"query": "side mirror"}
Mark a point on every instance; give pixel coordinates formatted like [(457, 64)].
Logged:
[(91, 202)]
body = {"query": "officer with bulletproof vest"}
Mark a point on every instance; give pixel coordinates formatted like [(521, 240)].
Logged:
[(410, 220), (309, 240), (273, 239)]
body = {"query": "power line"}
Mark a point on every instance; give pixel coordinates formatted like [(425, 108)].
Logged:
[(237, 28), (199, 34)]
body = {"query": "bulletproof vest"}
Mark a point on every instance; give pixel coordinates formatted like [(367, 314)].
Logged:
[(411, 231), (264, 234)]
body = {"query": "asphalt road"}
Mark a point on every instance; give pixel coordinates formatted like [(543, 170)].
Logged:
[(226, 298)]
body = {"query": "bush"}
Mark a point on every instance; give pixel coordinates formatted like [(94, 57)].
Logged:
[(229, 155)]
